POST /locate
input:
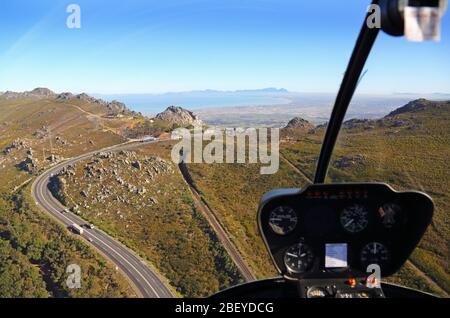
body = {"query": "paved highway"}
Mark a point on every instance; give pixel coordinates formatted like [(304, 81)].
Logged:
[(146, 282)]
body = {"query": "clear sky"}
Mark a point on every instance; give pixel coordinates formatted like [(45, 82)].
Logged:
[(138, 46)]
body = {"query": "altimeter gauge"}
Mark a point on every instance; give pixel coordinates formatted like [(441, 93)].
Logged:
[(283, 220)]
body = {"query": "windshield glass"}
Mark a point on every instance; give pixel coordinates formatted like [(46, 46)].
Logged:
[(98, 98), (404, 142)]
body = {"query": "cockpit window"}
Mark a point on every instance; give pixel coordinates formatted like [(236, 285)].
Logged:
[(139, 140), (402, 139)]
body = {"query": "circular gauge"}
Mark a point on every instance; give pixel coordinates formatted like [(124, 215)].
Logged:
[(298, 258), (354, 218), (316, 292), (283, 220), (390, 214), (374, 253)]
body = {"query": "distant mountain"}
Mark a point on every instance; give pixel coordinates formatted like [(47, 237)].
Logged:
[(39, 92), (264, 90), (179, 116), (112, 109), (240, 91)]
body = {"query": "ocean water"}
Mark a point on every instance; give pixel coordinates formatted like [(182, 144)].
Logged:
[(152, 104), (306, 105)]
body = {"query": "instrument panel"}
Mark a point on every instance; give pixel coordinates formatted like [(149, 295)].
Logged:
[(337, 230)]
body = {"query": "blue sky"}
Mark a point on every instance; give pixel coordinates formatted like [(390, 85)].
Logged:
[(138, 46)]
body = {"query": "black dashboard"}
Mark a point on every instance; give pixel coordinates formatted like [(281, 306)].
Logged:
[(330, 231)]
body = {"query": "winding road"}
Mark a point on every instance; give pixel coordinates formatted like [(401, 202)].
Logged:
[(145, 281)]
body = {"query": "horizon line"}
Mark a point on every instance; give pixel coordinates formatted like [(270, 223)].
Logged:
[(273, 90)]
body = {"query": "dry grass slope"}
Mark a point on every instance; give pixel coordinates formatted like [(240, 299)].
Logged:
[(139, 197), (32, 131), (409, 150)]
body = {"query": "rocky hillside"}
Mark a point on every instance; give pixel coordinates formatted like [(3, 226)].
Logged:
[(141, 198), (110, 109), (419, 105), (36, 93), (37, 130), (299, 124), (113, 109), (179, 116), (296, 128), (115, 167), (409, 116), (409, 149)]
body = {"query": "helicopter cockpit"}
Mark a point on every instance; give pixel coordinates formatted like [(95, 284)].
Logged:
[(339, 240)]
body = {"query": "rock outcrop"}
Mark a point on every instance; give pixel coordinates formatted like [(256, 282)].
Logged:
[(116, 108), (116, 180), (299, 123), (179, 116), (348, 161), (16, 145), (113, 109), (355, 123)]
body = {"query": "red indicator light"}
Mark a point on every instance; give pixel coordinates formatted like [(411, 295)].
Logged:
[(372, 281), (351, 282)]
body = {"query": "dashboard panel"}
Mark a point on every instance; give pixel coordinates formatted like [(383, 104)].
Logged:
[(338, 230)]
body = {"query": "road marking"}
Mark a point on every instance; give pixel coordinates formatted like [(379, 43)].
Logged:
[(71, 221), (75, 221), (60, 217)]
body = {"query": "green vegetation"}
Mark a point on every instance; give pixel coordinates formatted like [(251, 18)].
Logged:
[(233, 191), (18, 278), (34, 250), (409, 276), (409, 150), (152, 211), (36, 253), (155, 127), (140, 198)]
